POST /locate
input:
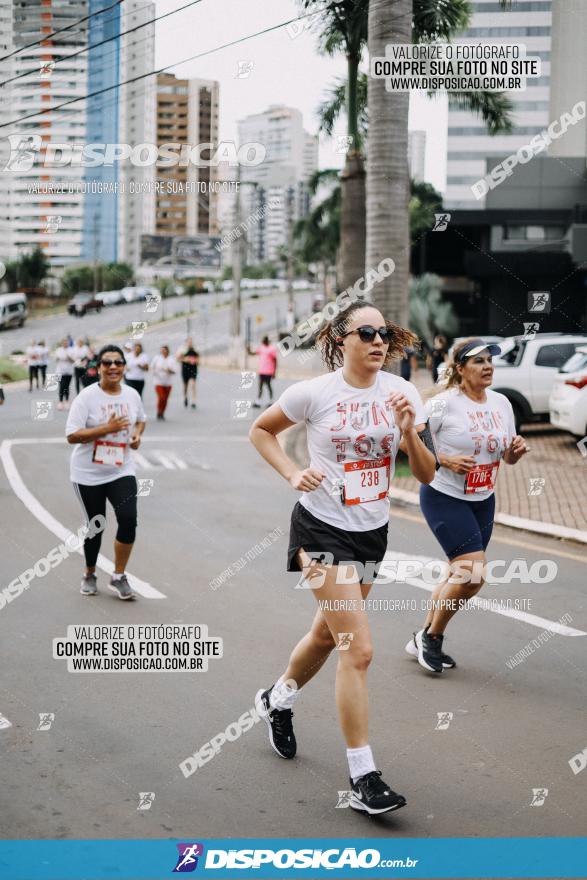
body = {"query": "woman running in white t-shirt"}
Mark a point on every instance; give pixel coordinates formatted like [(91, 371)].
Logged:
[(356, 417), (474, 429), (106, 421)]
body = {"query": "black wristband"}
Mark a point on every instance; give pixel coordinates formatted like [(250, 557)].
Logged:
[(428, 441)]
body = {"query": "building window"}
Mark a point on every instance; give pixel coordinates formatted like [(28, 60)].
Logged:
[(508, 32), (533, 233), (532, 6)]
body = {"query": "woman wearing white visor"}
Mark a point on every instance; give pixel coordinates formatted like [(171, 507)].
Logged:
[(474, 430)]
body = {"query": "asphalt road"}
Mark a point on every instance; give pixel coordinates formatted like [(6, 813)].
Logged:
[(208, 321), (115, 735)]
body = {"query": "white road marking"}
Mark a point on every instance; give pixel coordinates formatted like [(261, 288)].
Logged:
[(532, 619), (48, 520), (204, 438), (177, 461), (164, 460), (4, 722), (142, 462)]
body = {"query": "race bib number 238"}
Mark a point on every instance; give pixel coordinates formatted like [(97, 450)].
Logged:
[(366, 480)]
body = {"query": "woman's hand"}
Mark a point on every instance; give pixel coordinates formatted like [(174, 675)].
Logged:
[(306, 480), (115, 424), (460, 464), (135, 440), (403, 411), (515, 450)]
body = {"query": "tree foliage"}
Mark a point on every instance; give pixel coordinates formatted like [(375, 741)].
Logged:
[(429, 313)]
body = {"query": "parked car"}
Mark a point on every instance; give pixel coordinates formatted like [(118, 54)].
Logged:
[(525, 371), (82, 303), (568, 398), (110, 297), (13, 309), (130, 294)]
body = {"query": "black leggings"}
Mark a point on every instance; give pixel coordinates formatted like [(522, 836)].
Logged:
[(122, 495), (64, 383), (265, 379), (78, 373), (137, 384)]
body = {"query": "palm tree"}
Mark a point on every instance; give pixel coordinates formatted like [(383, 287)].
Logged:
[(318, 234), (345, 28), (406, 21)]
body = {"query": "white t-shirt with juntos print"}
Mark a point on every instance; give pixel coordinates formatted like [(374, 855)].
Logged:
[(93, 407), (352, 439), (462, 426)]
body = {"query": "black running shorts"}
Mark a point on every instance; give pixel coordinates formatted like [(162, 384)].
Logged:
[(338, 546)]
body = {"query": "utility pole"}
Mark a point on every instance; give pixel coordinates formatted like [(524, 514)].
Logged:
[(236, 341), (290, 248), (95, 252)]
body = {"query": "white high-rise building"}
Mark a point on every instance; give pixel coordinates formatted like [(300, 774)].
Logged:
[(138, 125), (527, 22), (568, 80), (416, 154), (278, 187), (36, 208)]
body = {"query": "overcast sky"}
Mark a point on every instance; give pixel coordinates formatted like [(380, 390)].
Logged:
[(287, 69)]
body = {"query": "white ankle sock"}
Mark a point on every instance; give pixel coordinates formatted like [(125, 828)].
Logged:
[(283, 696), (360, 762)]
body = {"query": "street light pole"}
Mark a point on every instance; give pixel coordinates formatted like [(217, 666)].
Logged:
[(290, 248), (236, 340)]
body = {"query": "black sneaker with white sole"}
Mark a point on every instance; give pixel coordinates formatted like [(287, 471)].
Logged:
[(279, 723), (122, 588), (429, 651), (412, 650), (370, 794)]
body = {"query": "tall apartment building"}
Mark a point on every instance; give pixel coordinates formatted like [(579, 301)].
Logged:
[(137, 125), (187, 113), (44, 204), (278, 187), (527, 22), (416, 154), (568, 82), (114, 221), (36, 208)]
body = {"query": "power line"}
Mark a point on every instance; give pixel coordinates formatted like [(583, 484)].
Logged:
[(61, 30), (103, 42), (154, 72)]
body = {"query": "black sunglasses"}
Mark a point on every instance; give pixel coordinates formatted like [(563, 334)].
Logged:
[(368, 334), (106, 362)]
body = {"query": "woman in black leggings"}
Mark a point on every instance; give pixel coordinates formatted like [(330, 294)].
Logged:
[(105, 422)]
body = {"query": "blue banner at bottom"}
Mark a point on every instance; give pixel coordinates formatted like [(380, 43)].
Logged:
[(417, 858)]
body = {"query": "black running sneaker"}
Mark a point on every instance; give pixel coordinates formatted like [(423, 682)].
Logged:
[(370, 794), (429, 651), (412, 650), (281, 734)]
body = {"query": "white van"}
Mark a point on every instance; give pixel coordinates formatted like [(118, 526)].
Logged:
[(13, 309)]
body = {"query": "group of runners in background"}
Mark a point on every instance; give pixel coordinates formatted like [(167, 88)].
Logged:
[(77, 362)]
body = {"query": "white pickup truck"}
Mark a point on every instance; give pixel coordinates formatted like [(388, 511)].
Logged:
[(525, 371)]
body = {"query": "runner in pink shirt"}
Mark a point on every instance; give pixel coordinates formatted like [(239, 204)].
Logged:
[(267, 354)]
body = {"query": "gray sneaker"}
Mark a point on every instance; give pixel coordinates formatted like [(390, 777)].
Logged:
[(89, 585), (122, 588)]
